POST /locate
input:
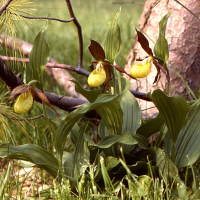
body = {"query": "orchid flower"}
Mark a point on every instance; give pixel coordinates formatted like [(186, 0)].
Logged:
[(143, 69), (25, 95), (102, 73)]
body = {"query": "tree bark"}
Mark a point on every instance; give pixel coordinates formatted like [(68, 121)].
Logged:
[(183, 36)]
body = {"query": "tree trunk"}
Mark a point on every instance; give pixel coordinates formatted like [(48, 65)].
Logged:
[(183, 36)]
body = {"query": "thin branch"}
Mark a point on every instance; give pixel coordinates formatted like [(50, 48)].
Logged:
[(4, 6), (50, 18), (80, 71), (80, 37)]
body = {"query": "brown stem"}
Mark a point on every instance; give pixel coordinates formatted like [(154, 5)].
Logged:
[(50, 65), (50, 18), (80, 37), (4, 6)]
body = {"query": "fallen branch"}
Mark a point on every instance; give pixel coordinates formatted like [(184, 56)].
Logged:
[(62, 102), (80, 71)]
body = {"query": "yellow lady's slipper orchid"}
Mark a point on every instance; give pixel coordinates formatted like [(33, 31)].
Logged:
[(142, 69), (98, 76), (24, 102)]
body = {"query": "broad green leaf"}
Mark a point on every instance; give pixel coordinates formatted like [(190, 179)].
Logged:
[(103, 132), (119, 139), (142, 141), (161, 47), (90, 95), (77, 162), (131, 115), (167, 169), (39, 56), (150, 126), (131, 112), (188, 140), (74, 133), (108, 108), (142, 187), (174, 110), (111, 162), (126, 138), (112, 42), (31, 153)]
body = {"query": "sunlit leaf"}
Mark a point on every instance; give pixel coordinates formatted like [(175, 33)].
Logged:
[(167, 169), (112, 42), (161, 47), (174, 110)]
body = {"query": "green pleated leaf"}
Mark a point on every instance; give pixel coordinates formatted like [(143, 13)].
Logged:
[(167, 169), (161, 47), (142, 141), (174, 111), (131, 110), (108, 141), (39, 56), (108, 108), (150, 126), (90, 95), (131, 115), (31, 153), (188, 140), (103, 132), (112, 42), (77, 162)]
